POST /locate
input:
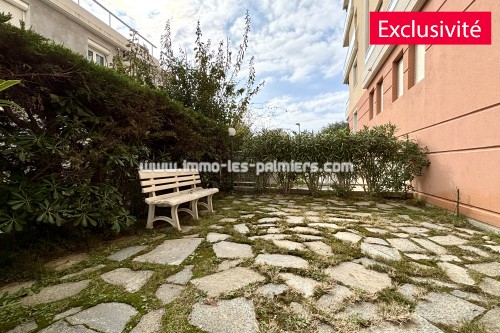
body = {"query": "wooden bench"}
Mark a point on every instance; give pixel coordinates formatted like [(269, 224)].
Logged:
[(173, 188)]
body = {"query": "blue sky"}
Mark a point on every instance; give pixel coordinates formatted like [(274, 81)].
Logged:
[(297, 48)]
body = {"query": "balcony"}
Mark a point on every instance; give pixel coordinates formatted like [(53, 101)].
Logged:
[(348, 21), (351, 54), (376, 55)]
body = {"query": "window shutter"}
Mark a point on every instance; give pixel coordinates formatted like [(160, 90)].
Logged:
[(381, 97), (400, 77), (419, 63), (17, 13)]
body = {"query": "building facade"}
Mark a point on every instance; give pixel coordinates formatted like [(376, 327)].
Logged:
[(67, 22), (446, 97)]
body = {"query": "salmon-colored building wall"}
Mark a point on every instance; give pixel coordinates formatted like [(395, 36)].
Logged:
[(454, 111)]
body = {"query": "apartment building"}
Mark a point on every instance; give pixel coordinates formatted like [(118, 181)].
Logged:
[(447, 97), (68, 22)]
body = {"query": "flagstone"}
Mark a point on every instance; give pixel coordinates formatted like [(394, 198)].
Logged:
[(374, 240), (491, 269), (333, 300), (347, 237), (294, 219), (306, 230), (131, 280), (214, 237), (272, 289), (281, 260), (289, 245), (127, 252), (475, 250), (456, 273), (150, 322), (491, 320), (104, 317), (357, 276), (183, 276), (171, 251), (227, 281), (446, 309), (490, 286), (303, 285), (380, 251), (229, 250), (229, 316), (405, 245), (431, 246), (167, 292), (448, 240), (55, 293), (319, 248)]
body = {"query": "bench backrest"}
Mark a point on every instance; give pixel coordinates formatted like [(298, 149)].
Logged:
[(171, 182)]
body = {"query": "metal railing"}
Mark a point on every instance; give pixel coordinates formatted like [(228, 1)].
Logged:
[(88, 5)]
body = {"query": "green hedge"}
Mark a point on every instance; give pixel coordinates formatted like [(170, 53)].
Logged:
[(70, 155)]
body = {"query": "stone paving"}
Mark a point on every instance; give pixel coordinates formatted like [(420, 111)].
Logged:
[(276, 264)]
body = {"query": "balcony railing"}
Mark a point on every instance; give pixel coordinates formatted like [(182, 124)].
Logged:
[(351, 52), (347, 24), (113, 21)]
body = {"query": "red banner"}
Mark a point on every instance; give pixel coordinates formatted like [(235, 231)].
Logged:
[(451, 28)]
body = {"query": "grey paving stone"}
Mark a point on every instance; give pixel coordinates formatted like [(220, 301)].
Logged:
[(281, 260), (68, 261), (356, 276), (456, 273), (274, 230), (448, 240), (379, 251), (131, 280), (83, 271), (150, 322), (269, 237), (227, 264), (67, 313), (229, 250), (305, 230), (183, 276), (495, 248), (367, 262), (214, 237), (272, 289), (241, 228), (226, 281), (490, 286), (289, 245), (104, 317), (24, 328), (247, 216), (63, 327), (405, 245), (414, 230), (303, 285), (374, 240), (441, 308), (127, 252), (312, 219), (332, 302), (364, 310), (324, 225), (409, 291), (298, 310), (377, 230), (171, 251), (13, 288), (294, 219), (167, 292), (268, 220), (228, 220), (431, 246), (435, 282), (55, 293), (229, 316), (416, 325), (469, 296), (319, 248), (324, 328), (347, 237), (491, 320), (344, 219), (401, 235), (419, 256), (434, 226), (475, 250), (309, 237), (488, 268), (449, 257)]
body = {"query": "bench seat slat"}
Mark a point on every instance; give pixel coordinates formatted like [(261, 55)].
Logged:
[(162, 174), (183, 198), (169, 186)]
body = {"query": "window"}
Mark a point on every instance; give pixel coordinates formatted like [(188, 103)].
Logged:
[(371, 100), (419, 63), (380, 97), (355, 73), (398, 77), (94, 56), (355, 122), (17, 8)]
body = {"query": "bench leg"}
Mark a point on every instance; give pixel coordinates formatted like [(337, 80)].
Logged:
[(194, 208), (175, 217), (151, 216), (210, 204)]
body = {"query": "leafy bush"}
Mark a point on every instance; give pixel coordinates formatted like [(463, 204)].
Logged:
[(70, 150)]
